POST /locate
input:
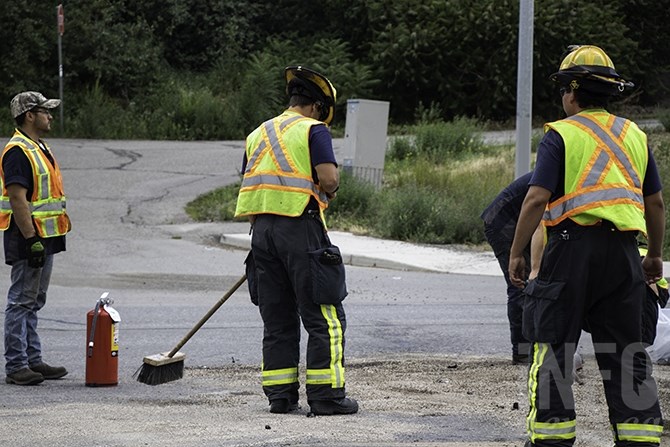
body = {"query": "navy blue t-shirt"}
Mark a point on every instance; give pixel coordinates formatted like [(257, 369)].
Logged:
[(550, 168), (17, 170), (502, 214)]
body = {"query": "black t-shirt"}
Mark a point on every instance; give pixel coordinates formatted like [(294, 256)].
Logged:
[(17, 170)]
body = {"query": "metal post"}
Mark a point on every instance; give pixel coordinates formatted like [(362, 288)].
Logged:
[(524, 88), (61, 28)]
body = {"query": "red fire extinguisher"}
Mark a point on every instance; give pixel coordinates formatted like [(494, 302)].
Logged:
[(102, 349)]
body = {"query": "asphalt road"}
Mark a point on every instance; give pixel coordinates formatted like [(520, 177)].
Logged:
[(131, 238)]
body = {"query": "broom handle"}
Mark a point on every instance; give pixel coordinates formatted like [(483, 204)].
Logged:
[(211, 312)]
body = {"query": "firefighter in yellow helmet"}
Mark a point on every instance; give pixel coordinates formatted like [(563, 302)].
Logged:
[(595, 186), (294, 272)]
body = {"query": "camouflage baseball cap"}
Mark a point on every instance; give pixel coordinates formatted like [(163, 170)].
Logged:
[(25, 101)]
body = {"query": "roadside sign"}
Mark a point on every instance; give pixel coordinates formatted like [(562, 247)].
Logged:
[(61, 20)]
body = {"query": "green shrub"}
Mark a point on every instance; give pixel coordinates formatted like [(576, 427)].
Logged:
[(355, 197), (439, 141), (99, 116), (412, 213), (660, 146), (664, 118)]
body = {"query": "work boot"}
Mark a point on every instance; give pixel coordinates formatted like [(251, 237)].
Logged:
[(330, 407), (283, 406), (520, 359), (49, 372), (25, 376)]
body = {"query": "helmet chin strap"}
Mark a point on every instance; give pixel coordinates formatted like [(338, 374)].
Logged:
[(323, 110)]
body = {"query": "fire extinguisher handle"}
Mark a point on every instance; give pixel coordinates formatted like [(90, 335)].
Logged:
[(96, 311), (207, 316)]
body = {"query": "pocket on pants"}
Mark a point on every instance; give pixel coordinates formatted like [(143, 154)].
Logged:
[(326, 271), (252, 279), (543, 312)]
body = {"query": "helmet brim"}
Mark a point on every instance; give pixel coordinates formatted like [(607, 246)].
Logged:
[(596, 79)]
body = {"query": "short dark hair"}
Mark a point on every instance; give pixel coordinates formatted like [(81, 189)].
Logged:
[(587, 99), (300, 100), (20, 119)]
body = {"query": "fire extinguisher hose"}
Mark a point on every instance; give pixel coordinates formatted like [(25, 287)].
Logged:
[(96, 311)]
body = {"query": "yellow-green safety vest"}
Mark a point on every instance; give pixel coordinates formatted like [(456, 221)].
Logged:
[(605, 163), (47, 203), (278, 174)]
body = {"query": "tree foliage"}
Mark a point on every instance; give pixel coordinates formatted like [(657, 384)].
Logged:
[(455, 57)]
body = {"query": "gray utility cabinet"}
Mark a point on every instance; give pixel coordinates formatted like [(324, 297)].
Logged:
[(365, 139)]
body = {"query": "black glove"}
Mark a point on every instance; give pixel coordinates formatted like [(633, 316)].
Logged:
[(35, 252)]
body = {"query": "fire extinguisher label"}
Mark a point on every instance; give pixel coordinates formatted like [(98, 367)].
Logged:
[(115, 340)]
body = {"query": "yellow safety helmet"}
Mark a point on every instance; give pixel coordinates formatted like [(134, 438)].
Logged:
[(588, 67), (312, 84)]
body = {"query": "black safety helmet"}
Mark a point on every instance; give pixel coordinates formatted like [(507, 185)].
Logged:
[(306, 82)]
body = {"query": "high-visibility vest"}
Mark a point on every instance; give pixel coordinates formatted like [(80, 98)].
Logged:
[(47, 203), (278, 174), (605, 163)]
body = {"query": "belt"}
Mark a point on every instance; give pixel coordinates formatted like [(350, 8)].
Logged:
[(569, 224)]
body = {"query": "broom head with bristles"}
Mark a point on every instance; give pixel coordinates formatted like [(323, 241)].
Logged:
[(160, 368)]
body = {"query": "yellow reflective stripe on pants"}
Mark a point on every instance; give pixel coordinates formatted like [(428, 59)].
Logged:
[(336, 342), (279, 376), (319, 377), (639, 432), (536, 429), (553, 430)]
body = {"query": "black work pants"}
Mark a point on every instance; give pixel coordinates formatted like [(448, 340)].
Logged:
[(280, 247), (591, 277), (501, 248)]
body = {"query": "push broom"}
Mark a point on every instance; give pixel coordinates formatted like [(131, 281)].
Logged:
[(166, 367)]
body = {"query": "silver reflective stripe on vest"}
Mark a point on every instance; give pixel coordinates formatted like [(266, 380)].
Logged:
[(617, 126), (51, 206), (254, 157), (606, 139), (276, 147), (41, 169), (586, 198), (274, 143), (268, 179), (288, 122), (597, 169)]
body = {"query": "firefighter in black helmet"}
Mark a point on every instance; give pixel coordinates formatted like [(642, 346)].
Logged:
[(595, 186), (294, 272)]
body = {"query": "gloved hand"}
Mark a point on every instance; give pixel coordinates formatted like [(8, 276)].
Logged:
[(35, 252)]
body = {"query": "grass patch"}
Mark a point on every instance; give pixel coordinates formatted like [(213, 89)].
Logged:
[(433, 191), (215, 206)]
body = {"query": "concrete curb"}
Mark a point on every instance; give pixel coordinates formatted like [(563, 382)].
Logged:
[(364, 251)]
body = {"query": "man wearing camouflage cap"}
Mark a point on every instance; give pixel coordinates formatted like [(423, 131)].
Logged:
[(33, 218)]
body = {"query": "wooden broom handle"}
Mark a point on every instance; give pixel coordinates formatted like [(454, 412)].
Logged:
[(211, 312)]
